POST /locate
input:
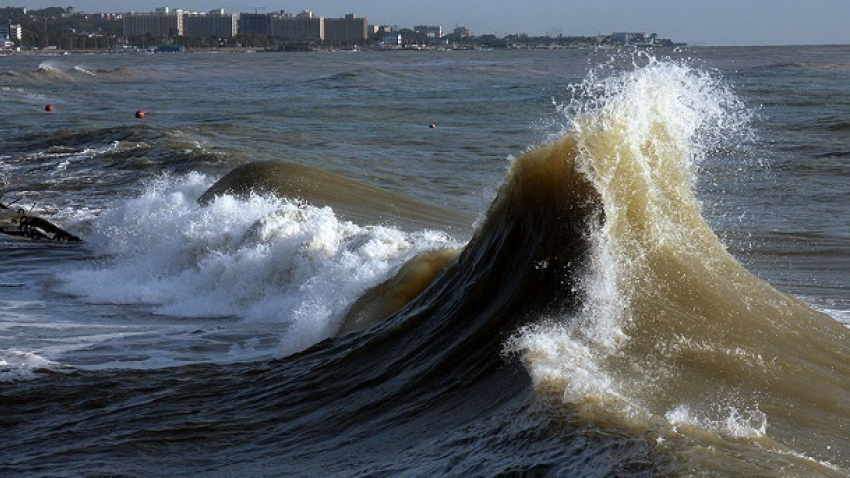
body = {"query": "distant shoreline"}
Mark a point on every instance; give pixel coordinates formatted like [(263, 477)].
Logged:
[(249, 50)]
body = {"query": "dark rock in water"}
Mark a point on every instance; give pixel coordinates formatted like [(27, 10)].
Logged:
[(19, 224)]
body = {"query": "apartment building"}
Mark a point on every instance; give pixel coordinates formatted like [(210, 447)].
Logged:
[(216, 24), (162, 23)]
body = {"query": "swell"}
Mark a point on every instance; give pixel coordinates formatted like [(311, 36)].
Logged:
[(350, 199), (802, 65), (34, 142), (58, 73)]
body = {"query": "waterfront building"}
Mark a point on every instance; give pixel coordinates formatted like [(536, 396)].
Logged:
[(12, 32), (347, 30), (167, 23), (627, 38), (392, 39), (461, 32), (162, 23), (215, 24), (431, 32), (255, 24), (304, 27)]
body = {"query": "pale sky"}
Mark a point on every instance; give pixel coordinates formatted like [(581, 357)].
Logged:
[(706, 22)]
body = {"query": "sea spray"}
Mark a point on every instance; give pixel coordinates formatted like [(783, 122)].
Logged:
[(686, 335), (642, 134)]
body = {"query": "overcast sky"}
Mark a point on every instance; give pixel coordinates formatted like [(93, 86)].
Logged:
[(707, 22)]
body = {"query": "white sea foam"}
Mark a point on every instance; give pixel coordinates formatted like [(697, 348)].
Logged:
[(265, 262), (840, 315), (749, 423), (19, 365)]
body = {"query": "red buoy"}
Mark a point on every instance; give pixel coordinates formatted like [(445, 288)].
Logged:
[(48, 107), (140, 114)]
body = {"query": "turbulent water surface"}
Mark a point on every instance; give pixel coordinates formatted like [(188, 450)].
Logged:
[(567, 263)]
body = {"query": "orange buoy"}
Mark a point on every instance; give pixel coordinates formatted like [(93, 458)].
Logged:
[(140, 114), (48, 107)]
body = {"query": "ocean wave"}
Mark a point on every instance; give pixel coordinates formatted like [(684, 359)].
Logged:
[(593, 312)]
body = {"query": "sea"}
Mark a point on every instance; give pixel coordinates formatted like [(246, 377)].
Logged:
[(580, 262)]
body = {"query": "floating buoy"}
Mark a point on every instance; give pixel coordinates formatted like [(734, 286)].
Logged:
[(140, 114), (48, 107)]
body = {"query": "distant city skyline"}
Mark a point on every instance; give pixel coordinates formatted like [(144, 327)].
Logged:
[(706, 22)]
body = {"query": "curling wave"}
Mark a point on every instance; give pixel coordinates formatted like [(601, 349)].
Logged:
[(676, 333)]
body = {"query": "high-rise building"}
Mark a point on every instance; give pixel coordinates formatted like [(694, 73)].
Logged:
[(215, 24), (255, 24), (305, 26), (167, 23), (162, 23), (347, 30)]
